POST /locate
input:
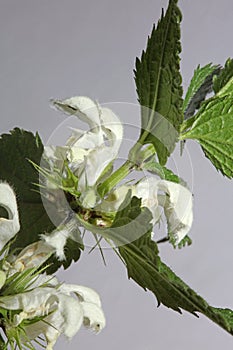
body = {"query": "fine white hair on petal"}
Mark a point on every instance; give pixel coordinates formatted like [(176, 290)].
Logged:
[(8, 227), (58, 238), (72, 313), (177, 208)]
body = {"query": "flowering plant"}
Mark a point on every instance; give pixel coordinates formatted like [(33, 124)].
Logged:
[(51, 195)]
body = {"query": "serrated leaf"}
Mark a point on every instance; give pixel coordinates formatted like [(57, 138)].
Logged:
[(131, 221), (226, 89), (158, 83), (224, 77), (145, 268), (164, 173), (213, 129), (15, 150), (186, 241), (201, 84)]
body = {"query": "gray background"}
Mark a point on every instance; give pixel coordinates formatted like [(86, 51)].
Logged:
[(65, 48)]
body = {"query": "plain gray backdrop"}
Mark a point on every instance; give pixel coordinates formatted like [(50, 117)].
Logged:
[(84, 47)]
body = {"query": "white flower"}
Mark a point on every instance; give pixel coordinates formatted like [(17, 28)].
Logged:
[(177, 203), (59, 310), (33, 255), (91, 151), (57, 239), (178, 208), (8, 227)]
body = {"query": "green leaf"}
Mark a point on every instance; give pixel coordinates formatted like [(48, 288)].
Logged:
[(186, 241), (145, 267), (157, 169), (131, 221), (158, 82), (224, 77), (15, 150), (213, 129), (200, 85)]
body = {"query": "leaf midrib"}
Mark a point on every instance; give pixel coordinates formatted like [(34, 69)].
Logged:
[(153, 108)]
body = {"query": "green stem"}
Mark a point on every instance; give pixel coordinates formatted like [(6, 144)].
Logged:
[(136, 157), (115, 178)]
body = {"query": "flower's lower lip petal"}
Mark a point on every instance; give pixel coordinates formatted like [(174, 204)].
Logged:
[(72, 313), (94, 315)]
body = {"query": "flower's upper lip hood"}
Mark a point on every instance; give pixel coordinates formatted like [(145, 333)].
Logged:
[(94, 149), (8, 227)]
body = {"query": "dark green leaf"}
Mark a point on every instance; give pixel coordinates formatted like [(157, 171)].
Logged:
[(131, 221), (224, 77), (186, 241), (145, 267), (213, 128), (200, 85), (158, 83), (15, 150)]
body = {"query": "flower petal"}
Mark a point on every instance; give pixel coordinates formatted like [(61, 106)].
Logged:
[(34, 255), (93, 316), (2, 278), (114, 200), (83, 107), (147, 190), (36, 302), (113, 128), (72, 313), (177, 208), (57, 239), (84, 293), (8, 227)]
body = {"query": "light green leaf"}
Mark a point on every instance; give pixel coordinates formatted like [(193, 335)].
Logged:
[(200, 85), (145, 268), (164, 173), (213, 129), (158, 83), (226, 89), (224, 77)]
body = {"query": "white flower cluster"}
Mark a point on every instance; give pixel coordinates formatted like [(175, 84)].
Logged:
[(45, 307), (91, 152)]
